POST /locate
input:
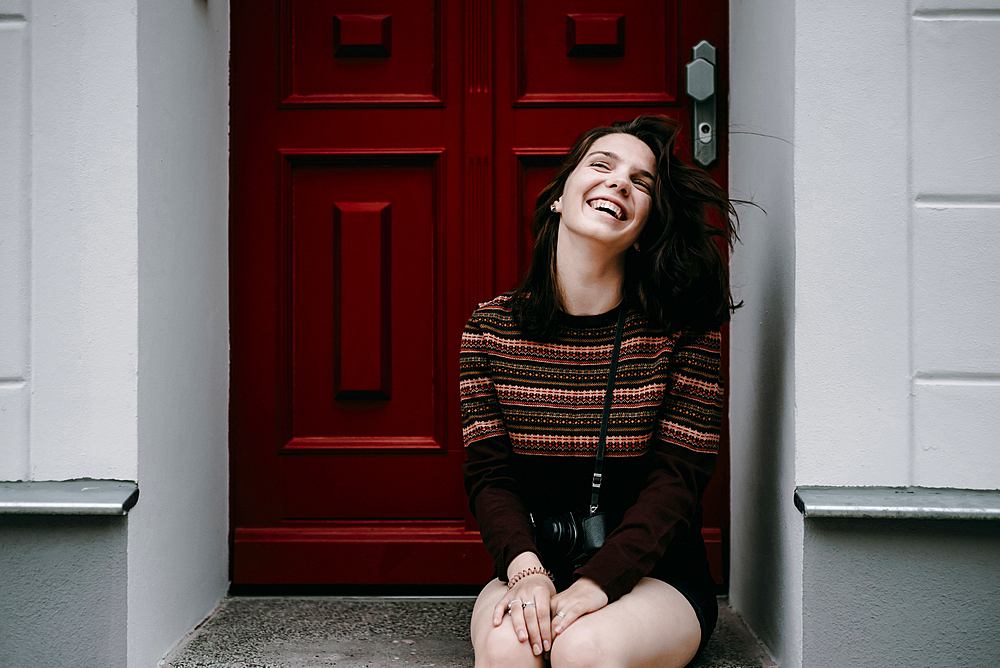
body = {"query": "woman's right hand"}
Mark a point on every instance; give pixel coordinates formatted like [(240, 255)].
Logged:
[(528, 605)]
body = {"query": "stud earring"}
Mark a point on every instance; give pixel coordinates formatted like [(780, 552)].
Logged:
[(552, 207)]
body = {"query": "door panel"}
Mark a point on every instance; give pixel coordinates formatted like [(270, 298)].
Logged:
[(576, 52), (364, 486), (361, 53), (363, 231), (386, 155)]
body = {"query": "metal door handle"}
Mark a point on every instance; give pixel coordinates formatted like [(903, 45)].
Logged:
[(701, 88)]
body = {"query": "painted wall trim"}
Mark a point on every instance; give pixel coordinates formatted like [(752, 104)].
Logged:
[(84, 496), (898, 503)]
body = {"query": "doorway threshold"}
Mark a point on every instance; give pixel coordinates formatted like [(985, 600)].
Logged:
[(381, 631)]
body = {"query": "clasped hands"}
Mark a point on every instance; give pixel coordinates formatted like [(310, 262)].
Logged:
[(539, 614)]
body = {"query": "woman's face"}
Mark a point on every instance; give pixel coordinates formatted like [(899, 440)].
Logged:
[(607, 197)]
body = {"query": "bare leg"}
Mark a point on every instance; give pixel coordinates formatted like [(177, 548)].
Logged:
[(652, 626), (498, 645)]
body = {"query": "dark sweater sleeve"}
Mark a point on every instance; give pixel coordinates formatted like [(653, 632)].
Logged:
[(495, 502), (489, 476), (682, 460)]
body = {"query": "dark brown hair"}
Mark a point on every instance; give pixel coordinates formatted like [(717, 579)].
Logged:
[(680, 277)]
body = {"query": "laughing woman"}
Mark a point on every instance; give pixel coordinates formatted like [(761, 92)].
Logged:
[(591, 406)]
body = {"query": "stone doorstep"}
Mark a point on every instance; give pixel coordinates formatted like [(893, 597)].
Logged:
[(370, 632)]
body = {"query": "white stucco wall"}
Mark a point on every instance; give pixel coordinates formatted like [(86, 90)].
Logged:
[(178, 533), (68, 208), (897, 181), (114, 280), (886, 369), (852, 375), (766, 530)]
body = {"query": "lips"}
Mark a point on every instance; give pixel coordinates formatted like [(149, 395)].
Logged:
[(607, 206)]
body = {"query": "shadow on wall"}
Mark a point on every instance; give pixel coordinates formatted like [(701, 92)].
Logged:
[(767, 354), (765, 495)]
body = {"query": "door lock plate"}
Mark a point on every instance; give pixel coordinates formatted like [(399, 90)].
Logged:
[(701, 89)]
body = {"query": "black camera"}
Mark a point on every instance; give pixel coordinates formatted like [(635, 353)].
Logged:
[(571, 538)]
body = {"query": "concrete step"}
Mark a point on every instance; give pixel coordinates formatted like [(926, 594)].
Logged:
[(370, 632)]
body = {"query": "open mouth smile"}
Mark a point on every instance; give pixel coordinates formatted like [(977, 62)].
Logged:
[(608, 207)]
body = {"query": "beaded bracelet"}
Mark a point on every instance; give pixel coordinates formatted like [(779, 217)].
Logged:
[(534, 570)]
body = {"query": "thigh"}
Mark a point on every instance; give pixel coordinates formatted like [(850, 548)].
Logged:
[(653, 625), (497, 645), (482, 612)]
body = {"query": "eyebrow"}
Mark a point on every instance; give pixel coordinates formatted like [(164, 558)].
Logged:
[(615, 156)]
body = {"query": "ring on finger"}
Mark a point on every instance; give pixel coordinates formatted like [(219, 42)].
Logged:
[(511, 604), (529, 604), (560, 613)]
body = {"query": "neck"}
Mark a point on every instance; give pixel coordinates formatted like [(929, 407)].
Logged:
[(590, 280)]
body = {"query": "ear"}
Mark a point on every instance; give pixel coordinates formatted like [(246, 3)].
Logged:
[(636, 245)]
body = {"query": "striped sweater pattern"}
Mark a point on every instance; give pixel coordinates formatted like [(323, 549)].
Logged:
[(548, 396)]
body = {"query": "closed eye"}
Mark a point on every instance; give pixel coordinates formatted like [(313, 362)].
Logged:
[(601, 165)]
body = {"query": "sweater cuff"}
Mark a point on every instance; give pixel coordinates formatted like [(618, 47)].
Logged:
[(613, 572), (517, 546)]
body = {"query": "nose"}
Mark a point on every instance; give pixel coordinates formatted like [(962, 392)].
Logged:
[(617, 182)]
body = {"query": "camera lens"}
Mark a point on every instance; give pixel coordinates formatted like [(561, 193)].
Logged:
[(557, 535)]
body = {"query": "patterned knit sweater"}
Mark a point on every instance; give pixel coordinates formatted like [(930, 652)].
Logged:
[(531, 416)]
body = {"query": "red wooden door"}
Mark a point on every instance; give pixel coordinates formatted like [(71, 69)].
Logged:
[(385, 155)]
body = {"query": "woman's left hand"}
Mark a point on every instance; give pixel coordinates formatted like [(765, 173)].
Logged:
[(582, 597)]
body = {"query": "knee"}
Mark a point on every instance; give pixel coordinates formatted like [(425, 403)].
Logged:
[(580, 650), (500, 648)]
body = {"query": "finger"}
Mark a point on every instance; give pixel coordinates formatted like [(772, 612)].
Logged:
[(532, 621), (503, 607), (499, 611), (517, 618), (563, 617), (544, 623)]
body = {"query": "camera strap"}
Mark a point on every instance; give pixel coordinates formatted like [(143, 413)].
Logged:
[(606, 415)]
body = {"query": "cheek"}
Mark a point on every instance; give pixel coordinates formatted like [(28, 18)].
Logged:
[(644, 210)]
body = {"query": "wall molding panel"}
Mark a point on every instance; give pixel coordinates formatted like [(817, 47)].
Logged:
[(954, 225), (15, 242)]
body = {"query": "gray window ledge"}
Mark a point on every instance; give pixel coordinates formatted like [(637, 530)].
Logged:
[(68, 497), (898, 503)]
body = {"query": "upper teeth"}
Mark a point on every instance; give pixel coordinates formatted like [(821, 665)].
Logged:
[(606, 205)]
